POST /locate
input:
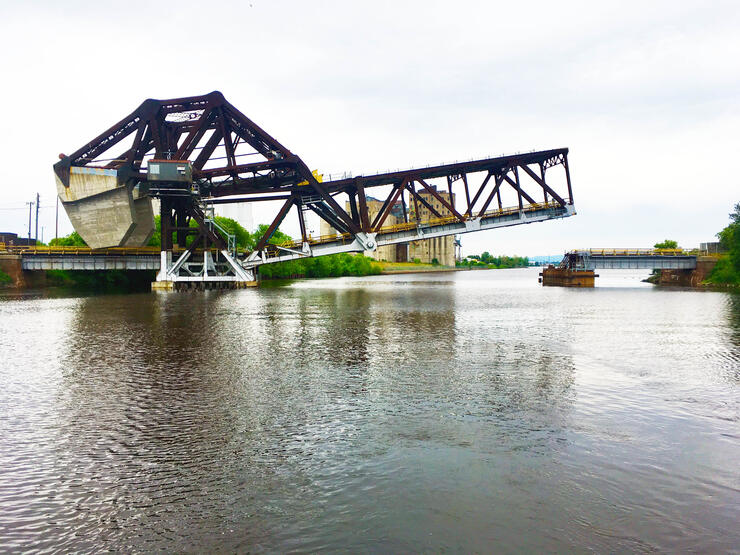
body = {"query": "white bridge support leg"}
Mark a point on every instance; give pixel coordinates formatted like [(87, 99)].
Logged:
[(190, 271)]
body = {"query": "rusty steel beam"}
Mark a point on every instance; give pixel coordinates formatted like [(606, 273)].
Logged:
[(477, 195), (544, 185), (439, 197), (421, 199), (275, 223)]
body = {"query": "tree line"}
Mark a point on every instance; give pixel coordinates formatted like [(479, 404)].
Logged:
[(487, 260)]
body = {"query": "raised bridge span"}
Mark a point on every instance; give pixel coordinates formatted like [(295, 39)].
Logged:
[(197, 152)]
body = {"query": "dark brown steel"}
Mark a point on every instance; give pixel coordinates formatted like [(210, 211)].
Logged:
[(544, 186), (499, 179), (467, 191), (518, 189), (275, 223), (439, 197), (421, 199), (477, 195), (387, 206)]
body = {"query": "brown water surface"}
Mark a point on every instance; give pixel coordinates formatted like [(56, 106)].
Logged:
[(470, 411)]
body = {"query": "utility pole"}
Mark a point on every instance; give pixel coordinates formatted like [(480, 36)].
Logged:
[(30, 206), (36, 236)]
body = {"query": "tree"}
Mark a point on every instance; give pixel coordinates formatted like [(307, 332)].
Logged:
[(243, 237), (71, 240), (727, 269), (729, 238), (735, 214), (667, 244), (278, 238)]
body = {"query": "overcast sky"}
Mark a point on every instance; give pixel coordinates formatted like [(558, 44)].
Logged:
[(645, 94)]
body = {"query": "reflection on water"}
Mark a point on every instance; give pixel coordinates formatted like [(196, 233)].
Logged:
[(465, 411)]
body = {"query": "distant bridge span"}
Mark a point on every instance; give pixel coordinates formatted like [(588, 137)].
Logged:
[(577, 267)]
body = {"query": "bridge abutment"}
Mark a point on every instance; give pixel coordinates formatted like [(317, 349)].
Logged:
[(688, 278), (12, 264)]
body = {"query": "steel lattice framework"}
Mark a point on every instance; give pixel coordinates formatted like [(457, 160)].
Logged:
[(234, 160)]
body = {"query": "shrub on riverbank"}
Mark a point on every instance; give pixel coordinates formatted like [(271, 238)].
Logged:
[(727, 270), (334, 265), (5, 278)]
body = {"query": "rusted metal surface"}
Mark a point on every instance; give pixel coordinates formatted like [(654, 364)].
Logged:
[(566, 277)]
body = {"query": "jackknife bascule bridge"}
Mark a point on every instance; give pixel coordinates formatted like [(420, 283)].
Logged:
[(195, 152)]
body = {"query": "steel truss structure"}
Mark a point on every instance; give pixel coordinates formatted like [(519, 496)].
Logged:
[(234, 160)]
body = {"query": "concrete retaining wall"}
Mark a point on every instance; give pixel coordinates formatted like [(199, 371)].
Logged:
[(689, 278)]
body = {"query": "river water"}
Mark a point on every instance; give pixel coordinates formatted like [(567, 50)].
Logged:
[(458, 412)]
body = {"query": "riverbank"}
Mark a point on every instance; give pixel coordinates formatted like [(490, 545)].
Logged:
[(699, 278)]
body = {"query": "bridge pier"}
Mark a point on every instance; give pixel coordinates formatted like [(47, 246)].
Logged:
[(187, 274), (12, 264)]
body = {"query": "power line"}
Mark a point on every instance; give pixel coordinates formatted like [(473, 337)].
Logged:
[(24, 208)]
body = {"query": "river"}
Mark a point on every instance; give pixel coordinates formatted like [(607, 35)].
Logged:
[(459, 412)]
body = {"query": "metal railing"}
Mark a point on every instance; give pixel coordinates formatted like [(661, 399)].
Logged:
[(75, 250)]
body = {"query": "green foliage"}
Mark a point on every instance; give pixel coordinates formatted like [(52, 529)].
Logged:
[(435, 262), (417, 260), (71, 240), (724, 273), (334, 265), (156, 238), (278, 238), (5, 278), (727, 270), (244, 239), (667, 244), (487, 260)]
